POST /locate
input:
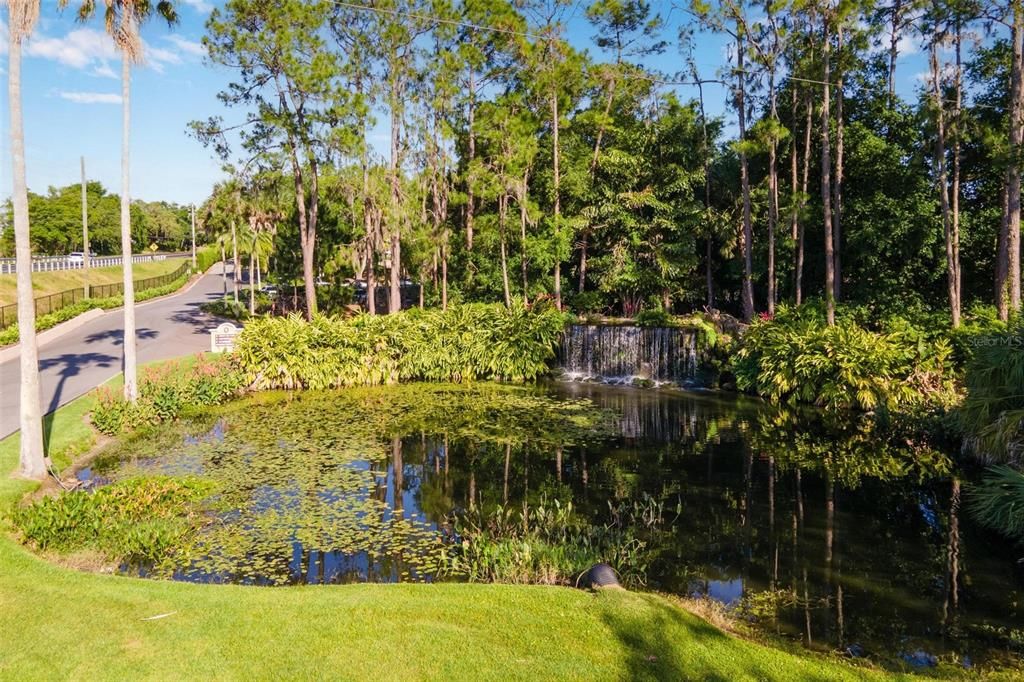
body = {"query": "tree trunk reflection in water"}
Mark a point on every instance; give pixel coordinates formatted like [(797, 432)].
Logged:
[(952, 598), (397, 472), (508, 457), (830, 510), (558, 463)]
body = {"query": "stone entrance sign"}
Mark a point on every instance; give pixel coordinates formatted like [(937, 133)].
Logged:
[(222, 338)]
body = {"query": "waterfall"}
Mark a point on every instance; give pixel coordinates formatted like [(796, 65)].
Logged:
[(627, 354)]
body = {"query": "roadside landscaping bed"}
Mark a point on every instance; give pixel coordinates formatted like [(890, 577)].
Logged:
[(46, 283)]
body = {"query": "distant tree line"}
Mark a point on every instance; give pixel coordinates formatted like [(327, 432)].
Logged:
[(518, 167), (56, 219)]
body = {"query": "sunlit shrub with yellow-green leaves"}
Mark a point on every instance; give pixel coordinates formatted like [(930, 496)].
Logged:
[(798, 358), (463, 343)]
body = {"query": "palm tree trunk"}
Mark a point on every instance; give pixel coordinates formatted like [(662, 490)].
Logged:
[(85, 234), (804, 187), (942, 182), (1008, 256), (472, 153), (131, 388), (826, 178), (706, 157), (371, 285), (444, 273), (252, 282), (837, 189), (748, 227), (955, 189), (773, 195), (523, 217), (502, 214), (31, 459), (235, 270), (395, 291), (558, 198)]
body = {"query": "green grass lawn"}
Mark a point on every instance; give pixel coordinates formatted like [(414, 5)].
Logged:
[(44, 283), (59, 623)]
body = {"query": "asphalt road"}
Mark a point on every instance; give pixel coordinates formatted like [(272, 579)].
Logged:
[(77, 362)]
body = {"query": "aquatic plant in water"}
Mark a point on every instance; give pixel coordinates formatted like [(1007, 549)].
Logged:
[(298, 478)]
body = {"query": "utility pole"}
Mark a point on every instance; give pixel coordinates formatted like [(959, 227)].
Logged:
[(85, 233), (193, 237)]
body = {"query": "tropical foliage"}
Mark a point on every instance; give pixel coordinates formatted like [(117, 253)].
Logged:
[(998, 500), (992, 415), (463, 343), (136, 520), (798, 358)]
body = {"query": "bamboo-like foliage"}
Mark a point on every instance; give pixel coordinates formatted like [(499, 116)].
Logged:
[(463, 343)]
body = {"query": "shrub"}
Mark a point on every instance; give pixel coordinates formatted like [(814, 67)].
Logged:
[(992, 414), (998, 501), (134, 520), (463, 343), (797, 358), (654, 317), (165, 391)]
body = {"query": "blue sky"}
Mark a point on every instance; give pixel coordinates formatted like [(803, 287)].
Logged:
[(71, 98)]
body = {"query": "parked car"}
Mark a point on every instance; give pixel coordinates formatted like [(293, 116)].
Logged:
[(76, 258), (271, 290)]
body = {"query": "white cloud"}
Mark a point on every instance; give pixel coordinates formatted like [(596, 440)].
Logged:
[(78, 49), (3, 38), (199, 5), (186, 46), (92, 97), (88, 48), (104, 70)]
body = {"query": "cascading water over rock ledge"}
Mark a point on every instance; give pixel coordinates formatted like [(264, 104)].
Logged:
[(626, 354)]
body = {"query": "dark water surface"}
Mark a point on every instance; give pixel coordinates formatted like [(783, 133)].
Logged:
[(820, 532)]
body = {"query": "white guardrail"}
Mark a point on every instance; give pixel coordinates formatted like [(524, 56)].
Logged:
[(53, 263)]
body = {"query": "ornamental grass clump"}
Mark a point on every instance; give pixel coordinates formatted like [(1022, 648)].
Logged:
[(463, 343)]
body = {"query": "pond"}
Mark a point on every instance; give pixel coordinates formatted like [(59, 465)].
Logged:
[(817, 530)]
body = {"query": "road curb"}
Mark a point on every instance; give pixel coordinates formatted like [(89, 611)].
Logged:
[(54, 333)]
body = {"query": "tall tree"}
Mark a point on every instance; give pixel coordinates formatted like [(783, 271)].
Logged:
[(827, 14), (627, 29), (21, 18), (288, 83), (766, 40), (552, 63), (485, 56), (122, 19), (397, 29), (1008, 257), (731, 18)]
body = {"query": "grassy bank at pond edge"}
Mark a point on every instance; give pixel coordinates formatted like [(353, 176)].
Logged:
[(60, 623)]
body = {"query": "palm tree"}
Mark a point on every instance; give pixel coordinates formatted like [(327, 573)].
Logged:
[(122, 19), (21, 17)]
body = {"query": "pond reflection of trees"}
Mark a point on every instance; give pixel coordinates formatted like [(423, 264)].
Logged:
[(825, 528)]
